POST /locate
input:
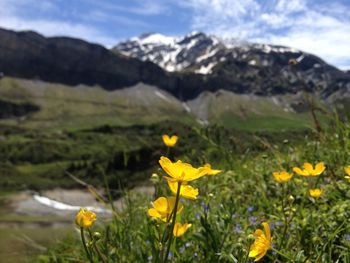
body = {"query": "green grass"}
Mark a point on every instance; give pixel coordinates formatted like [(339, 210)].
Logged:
[(75, 108), (233, 204), (270, 123)]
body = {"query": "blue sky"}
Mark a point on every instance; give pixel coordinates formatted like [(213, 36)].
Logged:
[(321, 27)]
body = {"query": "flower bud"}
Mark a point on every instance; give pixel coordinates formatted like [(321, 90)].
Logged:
[(96, 236)]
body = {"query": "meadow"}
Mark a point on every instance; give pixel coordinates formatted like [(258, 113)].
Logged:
[(273, 198), (256, 169)]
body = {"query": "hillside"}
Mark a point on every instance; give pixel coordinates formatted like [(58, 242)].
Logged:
[(42, 105)]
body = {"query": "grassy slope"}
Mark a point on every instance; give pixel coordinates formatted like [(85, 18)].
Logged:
[(36, 149), (84, 107), (252, 113)]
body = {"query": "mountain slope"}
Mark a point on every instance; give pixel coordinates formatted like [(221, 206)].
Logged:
[(72, 61), (61, 106), (245, 69), (236, 66)]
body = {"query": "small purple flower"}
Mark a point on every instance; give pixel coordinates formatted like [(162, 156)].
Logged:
[(233, 216), (250, 209), (198, 216), (253, 220), (274, 225), (238, 228), (150, 258), (279, 223), (347, 237)]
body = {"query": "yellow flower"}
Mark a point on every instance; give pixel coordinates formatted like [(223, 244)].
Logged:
[(347, 170), (282, 176), (262, 242), (186, 191), (169, 141), (85, 218), (347, 177), (309, 170), (211, 171), (163, 208), (316, 193), (181, 172), (179, 229)]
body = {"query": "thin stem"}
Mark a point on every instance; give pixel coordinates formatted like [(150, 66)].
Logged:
[(247, 255), (96, 248), (281, 254), (165, 235), (285, 219), (84, 244), (174, 219)]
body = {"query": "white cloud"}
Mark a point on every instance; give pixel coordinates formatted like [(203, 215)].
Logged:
[(321, 29), (11, 19)]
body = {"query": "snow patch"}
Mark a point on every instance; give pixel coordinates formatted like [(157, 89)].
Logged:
[(205, 69), (207, 55), (252, 62), (62, 206), (162, 96), (186, 107), (157, 39)]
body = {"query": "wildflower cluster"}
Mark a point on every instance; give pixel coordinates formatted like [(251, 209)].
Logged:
[(198, 217), (177, 175)]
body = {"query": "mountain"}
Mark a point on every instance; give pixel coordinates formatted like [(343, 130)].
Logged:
[(72, 61), (238, 66)]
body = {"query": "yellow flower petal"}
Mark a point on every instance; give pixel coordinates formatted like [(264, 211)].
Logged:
[(182, 172), (186, 191), (262, 242), (309, 170), (179, 229), (211, 171), (163, 208), (297, 170), (347, 170), (161, 204), (85, 218), (267, 230), (320, 167), (316, 193), (169, 141), (282, 176), (308, 167)]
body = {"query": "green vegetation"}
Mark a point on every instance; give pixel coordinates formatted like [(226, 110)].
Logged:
[(233, 204), (96, 135)]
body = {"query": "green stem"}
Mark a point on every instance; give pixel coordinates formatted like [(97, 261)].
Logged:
[(84, 244), (247, 255), (285, 219), (174, 219), (96, 248), (281, 254)]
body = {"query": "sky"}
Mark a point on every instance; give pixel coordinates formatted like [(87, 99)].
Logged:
[(321, 27)]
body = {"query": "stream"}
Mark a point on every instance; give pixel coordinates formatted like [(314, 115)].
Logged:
[(31, 222)]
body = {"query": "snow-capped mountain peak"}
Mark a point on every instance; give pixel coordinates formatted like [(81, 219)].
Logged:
[(155, 38), (192, 51), (201, 53)]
